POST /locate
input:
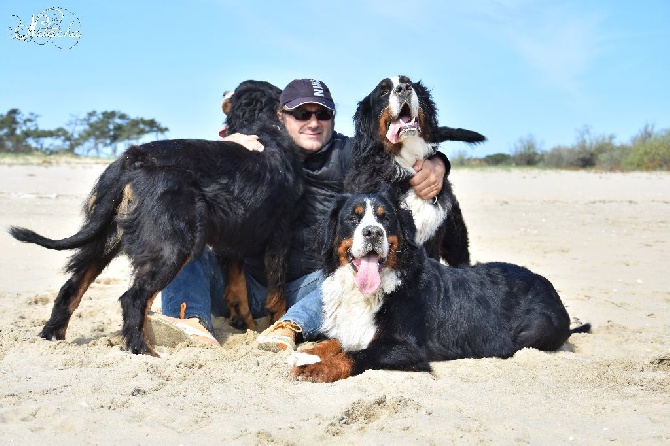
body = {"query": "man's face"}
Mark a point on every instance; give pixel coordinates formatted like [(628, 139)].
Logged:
[(310, 134)]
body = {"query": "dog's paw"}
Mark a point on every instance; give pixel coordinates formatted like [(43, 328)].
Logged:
[(237, 322), (316, 373), (299, 359), (326, 370)]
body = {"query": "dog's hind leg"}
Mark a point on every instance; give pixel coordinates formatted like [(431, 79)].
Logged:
[(276, 301), (66, 302), (85, 265), (545, 331), (236, 296), (150, 277), (135, 304)]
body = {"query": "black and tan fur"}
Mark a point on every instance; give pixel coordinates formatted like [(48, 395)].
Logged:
[(410, 309), (162, 202), (395, 126)]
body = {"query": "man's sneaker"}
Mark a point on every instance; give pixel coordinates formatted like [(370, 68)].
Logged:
[(279, 336), (170, 331)]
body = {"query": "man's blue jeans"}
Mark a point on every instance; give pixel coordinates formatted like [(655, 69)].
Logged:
[(201, 284)]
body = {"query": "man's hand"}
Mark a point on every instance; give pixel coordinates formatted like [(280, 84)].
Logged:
[(427, 182), (250, 142)]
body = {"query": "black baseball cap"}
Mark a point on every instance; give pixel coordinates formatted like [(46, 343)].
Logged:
[(306, 91)]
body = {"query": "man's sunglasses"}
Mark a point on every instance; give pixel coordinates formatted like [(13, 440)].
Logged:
[(305, 115)]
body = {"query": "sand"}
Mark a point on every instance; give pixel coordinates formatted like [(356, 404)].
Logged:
[(602, 239)]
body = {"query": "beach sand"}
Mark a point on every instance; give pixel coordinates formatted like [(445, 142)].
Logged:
[(601, 238)]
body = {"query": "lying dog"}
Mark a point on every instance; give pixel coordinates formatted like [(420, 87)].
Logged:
[(387, 305), (395, 126), (160, 203)]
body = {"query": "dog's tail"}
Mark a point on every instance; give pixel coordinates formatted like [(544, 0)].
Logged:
[(583, 328), (106, 197), (451, 134)]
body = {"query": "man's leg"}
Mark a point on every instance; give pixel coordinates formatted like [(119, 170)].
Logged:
[(303, 318), (187, 300)]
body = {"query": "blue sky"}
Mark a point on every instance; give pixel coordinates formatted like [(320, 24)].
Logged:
[(506, 68)]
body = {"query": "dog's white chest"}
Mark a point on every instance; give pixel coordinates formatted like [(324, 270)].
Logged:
[(427, 216), (349, 316), (413, 150)]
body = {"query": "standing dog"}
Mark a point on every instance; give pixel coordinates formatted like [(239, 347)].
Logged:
[(387, 305), (160, 203), (243, 107), (395, 126)]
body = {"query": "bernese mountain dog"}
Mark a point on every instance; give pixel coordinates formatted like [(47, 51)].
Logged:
[(387, 305), (243, 107), (161, 202), (395, 126)]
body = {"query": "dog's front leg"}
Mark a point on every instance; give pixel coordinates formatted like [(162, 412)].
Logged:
[(276, 254), (325, 362), (389, 354), (236, 295)]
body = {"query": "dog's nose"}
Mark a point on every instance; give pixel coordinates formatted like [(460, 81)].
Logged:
[(373, 232), (403, 88)]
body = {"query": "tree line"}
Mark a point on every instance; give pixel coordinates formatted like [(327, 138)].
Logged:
[(649, 149), (95, 133), (103, 133)]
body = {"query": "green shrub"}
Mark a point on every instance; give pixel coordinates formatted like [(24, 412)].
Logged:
[(652, 154), (498, 159)]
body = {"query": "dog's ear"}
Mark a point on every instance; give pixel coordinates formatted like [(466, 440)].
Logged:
[(429, 110), (407, 226), (328, 232), (393, 195), (362, 117)]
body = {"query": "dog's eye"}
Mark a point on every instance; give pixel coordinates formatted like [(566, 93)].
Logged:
[(353, 218), (383, 218)]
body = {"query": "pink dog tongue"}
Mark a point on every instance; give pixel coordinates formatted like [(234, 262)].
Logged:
[(394, 131), (368, 279)]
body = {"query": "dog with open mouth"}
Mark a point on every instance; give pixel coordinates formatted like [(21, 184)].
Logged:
[(387, 305), (396, 126)]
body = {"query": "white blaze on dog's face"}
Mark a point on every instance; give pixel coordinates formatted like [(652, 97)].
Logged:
[(403, 109), (369, 248), (368, 237)]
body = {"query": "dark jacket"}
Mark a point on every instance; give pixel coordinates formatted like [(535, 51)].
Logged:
[(324, 180)]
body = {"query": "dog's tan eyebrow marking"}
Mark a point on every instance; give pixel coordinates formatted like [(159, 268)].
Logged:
[(359, 209), (380, 210)]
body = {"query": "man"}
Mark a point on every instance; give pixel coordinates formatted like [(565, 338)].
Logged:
[(307, 113)]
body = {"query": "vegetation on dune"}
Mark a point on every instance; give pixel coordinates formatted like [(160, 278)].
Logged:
[(649, 149)]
